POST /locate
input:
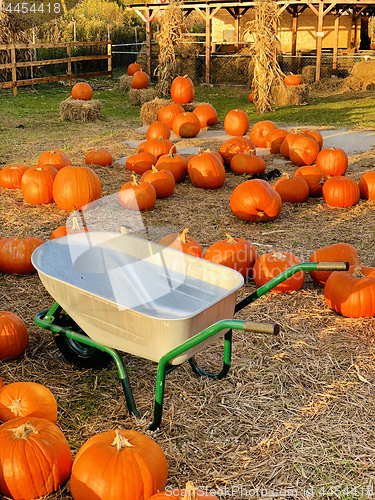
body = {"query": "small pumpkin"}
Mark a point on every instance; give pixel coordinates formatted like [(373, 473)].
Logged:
[(255, 200), (339, 252), (182, 90), (100, 157), (247, 163), (206, 171), (15, 254), (340, 191), (352, 293), (314, 177), (54, 158), (367, 185), (234, 146), (41, 458), (137, 195), (167, 114), (140, 80), (141, 147), (236, 253), (303, 151), (162, 180), (65, 230), (27, 399), (82, 91), (270, 265), (175, 163), (133, 68), (76, 187), (14, 337), (136, 461), (292, 80), (141, 162), (333, 161), (10, 176), (236, 122), (206, 114), (294, 190), (251, 97), (158, 129), (159, 147), (259, 131), (274, 139), (183, 242), (37, 184), (186, 124)]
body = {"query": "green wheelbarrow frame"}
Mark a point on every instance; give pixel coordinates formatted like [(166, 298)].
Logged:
[(47, 319)]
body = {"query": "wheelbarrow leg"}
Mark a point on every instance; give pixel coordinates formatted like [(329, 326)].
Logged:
[(226, 360)]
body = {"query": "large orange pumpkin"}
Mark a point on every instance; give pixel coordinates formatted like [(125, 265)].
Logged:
[(275, 138), (287, 144), (76, 187), (236, 122), (206, 115), (54, 158), (182, 90), (27, 399), (294, 190), (234, 146), (186, 125), (367, 185), (100, 157), (141, 162), (304, 151), (333, 161), (35, 458), (314, 177), (10, 176), (352, 293), (338, 252), (183, 242), (247, 163), (135, 467), (140, 80), (159, 147), (14, 337), (206, 171), (137, 195), (255, 201), (162, 180), (37, 184), (236, 253), (270, 265), (313, 134), (259, 131), (175, 163), (15, 254), (292, 80), (167, 114), (340, 191), (82, 91), (158, 129), (133, 68)]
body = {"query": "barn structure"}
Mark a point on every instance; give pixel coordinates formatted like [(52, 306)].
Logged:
[(305, 25)]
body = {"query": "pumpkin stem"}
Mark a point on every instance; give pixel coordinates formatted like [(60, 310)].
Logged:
[(154, 170), (120, 441), (75, 225), (357, 273), (134, 181), (190, 491), (171, 151), (16, 406), (286, 175), (183, 235), (230, 239), (24, 430), (278, 255)]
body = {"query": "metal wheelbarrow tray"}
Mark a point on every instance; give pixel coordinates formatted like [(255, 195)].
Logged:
[(120, 292)]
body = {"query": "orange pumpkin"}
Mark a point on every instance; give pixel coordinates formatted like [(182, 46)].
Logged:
[(292, 80), (167, 114), (82, 91), (234, 146), (287, 144), (139, 80), (236, 253), (1, 383), (294, 190), (65, 230), (162, 180), (274, 139), (247, 163), (141, 162), (133, 68), (75, 188), (141, 147), (303, 151), (270, 265), (251, 97), (14, 337), (159, 147), (236, 122), (10, 176), (158, 129), (27, 399), (37, 185), (367, 185), (206, 171), (41, 458), (188, 493), (339, 252), (15, 254), (206, 115), (175, 163), (186, 125), (136, 195), (314, 134), (340, 191), (136, 461), (100, 157), (54, 158), (314, 177), (333, 161), (259, 131), (182, 90), (255, 201), (183, 242)]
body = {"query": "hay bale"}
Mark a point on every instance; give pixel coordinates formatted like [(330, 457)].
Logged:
[(150, 110), (125, 82), (80, 111), (308, 74), (290, 96), (364, 74), (138, 97)]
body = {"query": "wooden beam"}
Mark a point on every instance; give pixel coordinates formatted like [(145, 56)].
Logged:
[(148, 43), (319, 41), (208, 45), (294, 37), (336, 43), (202, 13), (47, 79)]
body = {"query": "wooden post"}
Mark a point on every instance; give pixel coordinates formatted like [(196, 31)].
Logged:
[(336, 43), (237, 28), (148, 42), (14, 69), (109, 52), (208, 45), (69, 55), (294, 37), (319, 40)]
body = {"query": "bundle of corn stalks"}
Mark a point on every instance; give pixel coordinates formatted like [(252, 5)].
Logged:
[(12, 31), (267, 72), (171, 34)]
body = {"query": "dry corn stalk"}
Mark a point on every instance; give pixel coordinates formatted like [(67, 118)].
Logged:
[(267, 72), (171, 33)]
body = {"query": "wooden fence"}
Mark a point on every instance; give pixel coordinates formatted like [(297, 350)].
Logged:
[(13, 65)]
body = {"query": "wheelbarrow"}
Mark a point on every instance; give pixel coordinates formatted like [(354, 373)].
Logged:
[(118, 292)]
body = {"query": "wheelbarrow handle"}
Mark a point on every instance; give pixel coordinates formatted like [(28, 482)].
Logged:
[(255, 327), (332, 266)]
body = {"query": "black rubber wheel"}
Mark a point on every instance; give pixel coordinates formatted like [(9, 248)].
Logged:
[(82, 355)]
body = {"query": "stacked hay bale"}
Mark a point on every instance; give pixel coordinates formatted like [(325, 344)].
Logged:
[(150, 110), (125, 82), (79, 110), (283, 95), (362, 77), (138, 97)]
